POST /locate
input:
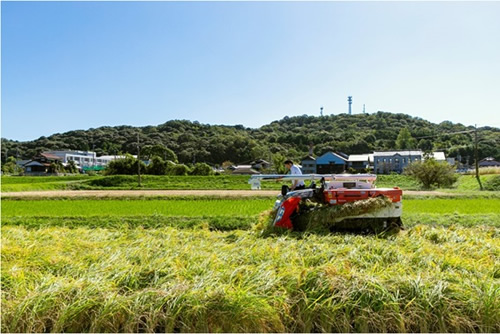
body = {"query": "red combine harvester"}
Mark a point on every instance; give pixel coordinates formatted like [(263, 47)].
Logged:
[(337, 190)]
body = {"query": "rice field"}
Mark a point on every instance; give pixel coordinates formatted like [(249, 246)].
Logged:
[(170, 207), (37, 183), (196, 206), (202, 265)]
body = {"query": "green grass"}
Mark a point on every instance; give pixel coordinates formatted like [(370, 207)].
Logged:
[(452, 205), (41, 179), (234, 182), (212, 207), (401, 181), (229, 182), (469, 182), (27, 183), (226, 223), (171, 207)]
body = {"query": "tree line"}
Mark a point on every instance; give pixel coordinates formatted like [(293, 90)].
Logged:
[(291, 137)]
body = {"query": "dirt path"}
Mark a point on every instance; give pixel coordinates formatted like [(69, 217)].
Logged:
[(167, 193)]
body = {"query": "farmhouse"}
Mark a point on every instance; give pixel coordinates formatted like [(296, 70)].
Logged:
[(331, 163), (244, 170), (40, 165), (250, 167), (489, 162), (256, 164), (308, 165)]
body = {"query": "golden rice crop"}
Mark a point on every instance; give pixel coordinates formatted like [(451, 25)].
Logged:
[(428, 278)]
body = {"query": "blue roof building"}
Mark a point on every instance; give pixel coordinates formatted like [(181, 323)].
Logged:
[(330, 163)]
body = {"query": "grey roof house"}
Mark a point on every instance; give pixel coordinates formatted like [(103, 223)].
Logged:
[(308, 165)]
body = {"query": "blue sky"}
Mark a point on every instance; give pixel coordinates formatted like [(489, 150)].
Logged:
[(80, 65)]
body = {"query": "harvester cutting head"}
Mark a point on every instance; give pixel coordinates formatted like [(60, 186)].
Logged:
[(340, 202)]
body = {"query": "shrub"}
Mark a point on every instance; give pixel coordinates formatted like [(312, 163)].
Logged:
[(201, 168), (157, 166), (126, 166), (432, 173), (10, 167), (492, 183), (71, 167), (179, 169), (113, 181)]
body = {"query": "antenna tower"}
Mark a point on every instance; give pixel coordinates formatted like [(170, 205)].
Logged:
[(349, 99)]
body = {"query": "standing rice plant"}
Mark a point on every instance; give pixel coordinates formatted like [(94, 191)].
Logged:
[(77, 279)]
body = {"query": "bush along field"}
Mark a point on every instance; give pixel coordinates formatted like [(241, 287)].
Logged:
[(204, 265)]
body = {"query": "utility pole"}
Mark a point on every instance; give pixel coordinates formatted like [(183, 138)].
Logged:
[(138, 160), (93, 152), (476, 158)]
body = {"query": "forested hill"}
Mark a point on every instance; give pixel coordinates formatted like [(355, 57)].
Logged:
[(290, 137)]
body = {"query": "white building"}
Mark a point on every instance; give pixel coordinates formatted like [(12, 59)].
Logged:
[(360, 162), (85, 158)]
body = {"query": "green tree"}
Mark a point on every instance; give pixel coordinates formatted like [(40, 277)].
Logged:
[(178, 169), (161, 151), (201, 168), (10, 166), (405, 141), (431, 173), (125, 166), (194, 142), (278, 163), (157, 166), (71, 167), (425, 145), (56, 167)]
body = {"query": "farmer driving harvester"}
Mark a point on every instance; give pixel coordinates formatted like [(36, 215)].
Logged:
[(342, 202), (294, 170)]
